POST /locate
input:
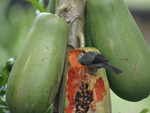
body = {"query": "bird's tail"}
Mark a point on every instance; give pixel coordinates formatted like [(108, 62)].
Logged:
[(114, 69)]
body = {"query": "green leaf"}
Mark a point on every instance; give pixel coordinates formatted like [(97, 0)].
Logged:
[(37, 5), (2, 80), (1, 106), (49, 109), (4, 77), (1, 110), (3, 90), (3, 101), (144, 110), (5, 71)]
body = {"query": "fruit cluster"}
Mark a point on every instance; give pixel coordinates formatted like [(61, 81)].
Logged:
[(108, 26)]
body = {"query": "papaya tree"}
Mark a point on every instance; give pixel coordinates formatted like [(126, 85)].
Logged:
[(47, 71)]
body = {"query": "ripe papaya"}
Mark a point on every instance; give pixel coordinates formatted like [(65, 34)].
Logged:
[(82, 92), (115, 33), (36, 74)]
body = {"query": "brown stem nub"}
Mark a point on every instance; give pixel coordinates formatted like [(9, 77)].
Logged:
[(80, 35), (63, 7)]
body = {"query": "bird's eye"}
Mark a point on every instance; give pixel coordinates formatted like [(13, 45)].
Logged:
[(82, 53)]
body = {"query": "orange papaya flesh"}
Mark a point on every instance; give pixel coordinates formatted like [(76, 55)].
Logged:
[(84, 91)]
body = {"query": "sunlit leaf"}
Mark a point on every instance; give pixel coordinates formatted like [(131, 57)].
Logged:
[(37, 5), (41, 2)]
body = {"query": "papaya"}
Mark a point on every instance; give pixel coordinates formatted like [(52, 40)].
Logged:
[(87, 33), (115, 33), (81, 92), (36, 74)]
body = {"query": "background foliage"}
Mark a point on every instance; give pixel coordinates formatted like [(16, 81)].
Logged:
[(15, 22)]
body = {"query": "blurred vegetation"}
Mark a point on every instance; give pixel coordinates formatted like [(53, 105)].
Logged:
[(3, 84), (15, 22), (138, 4)]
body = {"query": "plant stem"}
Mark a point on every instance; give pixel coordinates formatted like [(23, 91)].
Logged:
[(51, 6), (63, 7), (81, 38), (75, 16)]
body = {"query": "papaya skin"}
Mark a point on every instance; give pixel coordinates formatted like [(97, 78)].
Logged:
[(115, 33), (72, 81), (87, 33), (36, 74)]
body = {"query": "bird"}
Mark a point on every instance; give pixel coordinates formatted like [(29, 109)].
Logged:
[(95, 61)]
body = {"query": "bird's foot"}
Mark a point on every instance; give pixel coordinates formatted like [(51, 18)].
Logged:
[(92, 73)]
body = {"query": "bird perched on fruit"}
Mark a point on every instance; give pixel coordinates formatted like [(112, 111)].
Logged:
[(95, 61)]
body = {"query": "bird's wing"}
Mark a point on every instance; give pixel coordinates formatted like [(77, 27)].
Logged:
[(99, 59), (87, 58)]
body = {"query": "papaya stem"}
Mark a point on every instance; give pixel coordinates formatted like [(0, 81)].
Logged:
[(51, 6), (41, 2), (75, 17), (63, 7), (80, 35)]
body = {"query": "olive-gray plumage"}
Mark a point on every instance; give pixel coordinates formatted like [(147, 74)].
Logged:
[(95, 61)]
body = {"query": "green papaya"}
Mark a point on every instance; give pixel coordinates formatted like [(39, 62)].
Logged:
[(115, 33), (36, 74), (87, 33)]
